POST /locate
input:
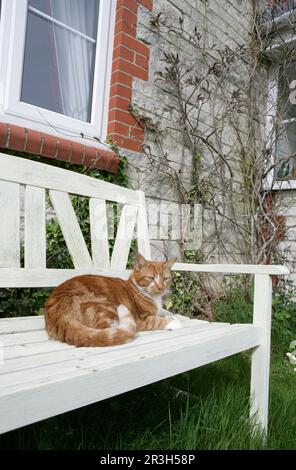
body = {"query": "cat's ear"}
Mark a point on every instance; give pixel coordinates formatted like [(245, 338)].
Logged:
[(140, 261), (170, 262)]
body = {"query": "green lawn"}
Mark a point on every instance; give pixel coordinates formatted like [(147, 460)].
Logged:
[(203, 409)]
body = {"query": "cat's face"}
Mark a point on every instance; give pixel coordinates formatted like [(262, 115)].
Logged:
[(153, 276)]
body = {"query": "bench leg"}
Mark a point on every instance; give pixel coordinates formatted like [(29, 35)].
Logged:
[(261, 355)]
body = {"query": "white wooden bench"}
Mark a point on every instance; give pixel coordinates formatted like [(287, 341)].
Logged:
[(40, 377)]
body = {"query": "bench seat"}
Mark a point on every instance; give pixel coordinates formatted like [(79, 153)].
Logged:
[(41, 377)]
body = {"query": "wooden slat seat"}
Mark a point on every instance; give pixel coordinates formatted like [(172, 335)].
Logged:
[(57, 377)]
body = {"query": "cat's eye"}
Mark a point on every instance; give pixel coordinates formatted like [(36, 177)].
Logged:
[(150, 278)]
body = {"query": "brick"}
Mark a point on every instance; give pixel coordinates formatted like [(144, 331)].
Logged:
[(123, 26), (3, 135), (122, 116), (120, 90), (128, 143), (33, 141), (129, 4), (111, 163), (91, 156), (142, 61), (127, 15), (119, 76), (64, 148), (118, 128), (137, 133), (146, 3), (130, 69), (280, 221), (119, 103), (17, 138), (123, 52), (49, 147), (77, 153), (131, 43)]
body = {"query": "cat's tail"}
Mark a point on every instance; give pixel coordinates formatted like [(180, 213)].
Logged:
[(74, 332)]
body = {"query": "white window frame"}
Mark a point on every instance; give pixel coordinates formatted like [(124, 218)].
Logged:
[(275, 52), (12, 47)]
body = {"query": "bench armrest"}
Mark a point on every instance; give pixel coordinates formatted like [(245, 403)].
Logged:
[(232, 268), (262, 304)]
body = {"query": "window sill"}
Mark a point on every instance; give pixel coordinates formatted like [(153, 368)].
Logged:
[(281, 186), (52, 145)]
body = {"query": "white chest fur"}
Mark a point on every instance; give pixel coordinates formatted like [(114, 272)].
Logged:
[(158, 301)]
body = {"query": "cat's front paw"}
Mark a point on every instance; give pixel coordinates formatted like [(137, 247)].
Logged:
[(173, 324)]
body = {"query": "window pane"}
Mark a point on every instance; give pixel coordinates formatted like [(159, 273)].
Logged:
[(287, 105), (59, 64), (81, 15), (286, 151)]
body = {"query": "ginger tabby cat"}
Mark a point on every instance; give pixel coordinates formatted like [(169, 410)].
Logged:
[(94, 310)]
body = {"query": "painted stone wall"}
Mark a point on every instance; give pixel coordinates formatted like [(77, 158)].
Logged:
[(220, 24)]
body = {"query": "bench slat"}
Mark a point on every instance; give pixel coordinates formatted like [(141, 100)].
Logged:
[(42, 397), (124, 237), (99, 359), (24, 171), (21, 324), (35, 232), (36, 322), (71, 229), (49, 277), (9, 224), (34, 336), (44, 358), (99, 233)]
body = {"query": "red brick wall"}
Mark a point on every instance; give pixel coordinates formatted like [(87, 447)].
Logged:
[(130, 60)]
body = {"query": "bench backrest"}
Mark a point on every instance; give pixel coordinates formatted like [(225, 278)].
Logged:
[(40, 179)]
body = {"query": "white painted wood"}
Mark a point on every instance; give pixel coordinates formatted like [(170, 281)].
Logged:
[(107, 358), (52, 277), (23, 378), (23, 171), (232, 268), (9, 224), (21, 324), (22, 370), (42, 348), (99, 233), (142, 228), (26, 348), (33, 349), (86, 383), (104, 355), (26, 337), (35, 233), (124, 237), (43, 377), (261, 355), (35, 323), (71, 230), (49, 277)]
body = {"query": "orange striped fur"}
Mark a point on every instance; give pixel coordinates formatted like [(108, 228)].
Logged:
[(104, 311)]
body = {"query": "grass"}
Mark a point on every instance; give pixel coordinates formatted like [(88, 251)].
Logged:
[(206, 408)]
